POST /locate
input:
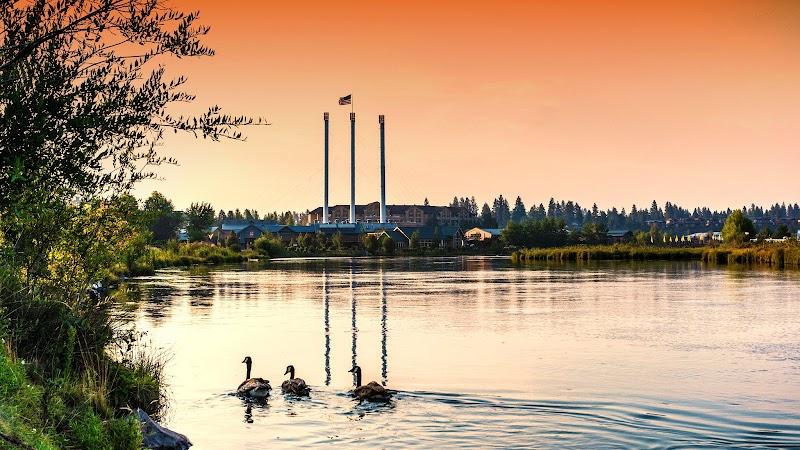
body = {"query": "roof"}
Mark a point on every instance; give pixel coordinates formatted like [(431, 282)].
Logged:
[(302, 228), (618, 233), (427, 232), (396, 234), (493, 231), (273, 228)]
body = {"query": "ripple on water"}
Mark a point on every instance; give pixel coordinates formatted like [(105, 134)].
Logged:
[(436, 419)]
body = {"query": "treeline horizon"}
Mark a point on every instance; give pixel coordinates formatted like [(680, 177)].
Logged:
[(500, 212)]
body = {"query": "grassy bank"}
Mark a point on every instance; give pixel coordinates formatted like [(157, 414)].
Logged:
[(777, 255), (42, 412), (179, 255)]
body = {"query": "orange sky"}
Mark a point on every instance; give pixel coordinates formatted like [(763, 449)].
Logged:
[(695, 102)]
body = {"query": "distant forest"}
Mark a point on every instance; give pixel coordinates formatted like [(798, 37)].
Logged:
[(500, 212), (670, 216)]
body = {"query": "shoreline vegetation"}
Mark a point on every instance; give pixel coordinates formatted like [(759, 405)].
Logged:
[(777, 255)]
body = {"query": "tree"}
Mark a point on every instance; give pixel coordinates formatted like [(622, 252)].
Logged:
[(781, 232), (200, 217), (84, 107), (764, 233), (413, 240), (322, 241), (518, 214), (337, 241), (501, 211), (232, 241), (161, 218), (737, 228), (487, 218), (371, 243), (269, 245), (387, 245)]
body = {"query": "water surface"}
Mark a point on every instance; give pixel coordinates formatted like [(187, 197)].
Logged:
[(482, 353)]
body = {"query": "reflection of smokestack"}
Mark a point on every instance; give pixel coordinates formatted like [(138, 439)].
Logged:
[(383, 171), (325, 204), (352, 167)]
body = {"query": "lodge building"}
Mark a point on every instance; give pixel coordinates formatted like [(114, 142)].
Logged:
[(400, 215)]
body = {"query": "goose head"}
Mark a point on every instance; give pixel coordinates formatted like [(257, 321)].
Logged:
[(356, 370), (249, 362), (290, 371)]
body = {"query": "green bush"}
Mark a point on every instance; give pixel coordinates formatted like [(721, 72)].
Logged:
[(269, 245)]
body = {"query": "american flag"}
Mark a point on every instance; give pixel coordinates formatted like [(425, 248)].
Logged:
[(346, 100)]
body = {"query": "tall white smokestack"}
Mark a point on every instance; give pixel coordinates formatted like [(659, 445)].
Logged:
[(383, 170), (352, 167), (326, 118)]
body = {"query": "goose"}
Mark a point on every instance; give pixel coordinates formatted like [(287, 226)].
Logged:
[(296, 386), (253, 387), (373, 391)]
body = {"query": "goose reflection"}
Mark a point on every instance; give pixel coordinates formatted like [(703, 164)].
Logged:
[(248, 413)]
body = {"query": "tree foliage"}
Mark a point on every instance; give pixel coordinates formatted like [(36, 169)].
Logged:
[(737, 228), (161, 217), (199, 217)]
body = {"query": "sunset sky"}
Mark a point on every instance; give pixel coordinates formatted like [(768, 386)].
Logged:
[(614, 102)]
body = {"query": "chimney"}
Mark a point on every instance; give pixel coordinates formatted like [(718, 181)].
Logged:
[(352, 167), (326, 118), (383, 170)]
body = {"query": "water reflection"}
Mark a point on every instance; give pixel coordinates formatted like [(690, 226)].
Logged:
[(384, 313), (353, 326), (621, 354), (327, 316)]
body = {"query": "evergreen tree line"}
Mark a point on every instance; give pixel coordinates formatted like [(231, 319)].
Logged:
[(575, 216)]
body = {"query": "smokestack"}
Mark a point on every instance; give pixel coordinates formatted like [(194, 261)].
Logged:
[(352, 167), (326, 118), (383, 170)]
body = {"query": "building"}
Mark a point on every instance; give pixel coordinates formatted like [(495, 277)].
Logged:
[(447, 236), (478, 234), (619, 236), (400, 215), (396, 235)]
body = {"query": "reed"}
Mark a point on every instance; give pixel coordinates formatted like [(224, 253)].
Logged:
[(778, 255)]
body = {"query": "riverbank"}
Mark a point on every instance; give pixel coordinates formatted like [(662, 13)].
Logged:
[(778, 255), (203, 253), (43, 412)]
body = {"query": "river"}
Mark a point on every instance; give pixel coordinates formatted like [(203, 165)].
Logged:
[(482, 353)]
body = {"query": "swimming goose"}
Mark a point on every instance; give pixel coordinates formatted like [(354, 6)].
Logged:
[(373, 391), (296, 386), (253, 387)]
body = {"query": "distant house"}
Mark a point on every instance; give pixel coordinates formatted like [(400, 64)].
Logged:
[(396, 235), (246, 232), (448, 236), (619, 236), (478, 234)]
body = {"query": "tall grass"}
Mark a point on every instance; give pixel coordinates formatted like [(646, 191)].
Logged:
[(184, 254), (607, 252), (779, 255)]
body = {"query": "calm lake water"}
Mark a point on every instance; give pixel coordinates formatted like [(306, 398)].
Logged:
[(482, 353)]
